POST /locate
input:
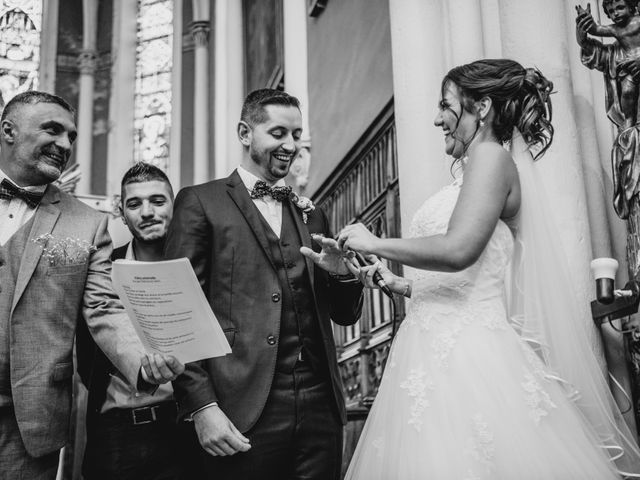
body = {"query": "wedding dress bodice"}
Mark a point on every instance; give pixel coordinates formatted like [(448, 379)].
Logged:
[(481, 286)]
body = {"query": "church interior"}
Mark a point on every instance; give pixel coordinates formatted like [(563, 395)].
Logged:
[(163, 81)]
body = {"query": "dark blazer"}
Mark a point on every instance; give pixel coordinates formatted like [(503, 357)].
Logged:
[(48, 302), (219, 229), (93, 365)]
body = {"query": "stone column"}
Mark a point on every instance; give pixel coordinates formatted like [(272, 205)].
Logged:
[(296, 81), (561, 167), (417, 26), (465, 30), (121, 112), (229, 84), (87, 66), (491, 28), (200, 30), (48, 46), (175, 137)]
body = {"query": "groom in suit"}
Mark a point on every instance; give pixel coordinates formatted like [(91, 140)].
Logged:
[(273, 408), (54, 267)]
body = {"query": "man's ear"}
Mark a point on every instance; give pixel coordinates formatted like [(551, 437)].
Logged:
[(124, 220), (244, 133), (7, 131), (483, 107)]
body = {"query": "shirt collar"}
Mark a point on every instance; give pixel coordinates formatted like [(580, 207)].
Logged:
[(249, 179), (130, 255), (32, 188)]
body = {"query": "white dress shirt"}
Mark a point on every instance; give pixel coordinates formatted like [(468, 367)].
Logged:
[(14, 213), (270, 208)]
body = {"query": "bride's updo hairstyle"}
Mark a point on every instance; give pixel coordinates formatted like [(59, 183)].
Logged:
[(520, 98)]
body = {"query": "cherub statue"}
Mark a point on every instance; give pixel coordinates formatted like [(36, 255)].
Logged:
[(619, 62), (626, 30)]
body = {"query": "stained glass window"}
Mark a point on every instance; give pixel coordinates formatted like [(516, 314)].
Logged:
[(20, 28), (153, 82)]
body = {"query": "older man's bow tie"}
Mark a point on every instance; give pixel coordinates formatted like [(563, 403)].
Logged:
[(260, 189), (9, 190)]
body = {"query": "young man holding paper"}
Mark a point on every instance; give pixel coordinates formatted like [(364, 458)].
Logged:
[(132, 436)]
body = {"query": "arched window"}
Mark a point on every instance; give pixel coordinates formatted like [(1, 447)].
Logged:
[(20, 29), (152, 121)]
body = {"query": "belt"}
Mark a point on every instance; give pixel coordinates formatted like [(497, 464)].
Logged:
[(151, 413)]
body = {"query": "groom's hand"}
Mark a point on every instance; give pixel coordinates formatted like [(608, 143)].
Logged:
[(331, 258), (217, 435)]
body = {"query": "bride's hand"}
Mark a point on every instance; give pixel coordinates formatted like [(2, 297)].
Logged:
[(365, 274), (357, 237)]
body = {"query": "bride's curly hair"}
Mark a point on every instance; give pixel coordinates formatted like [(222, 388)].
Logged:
[(519, 96)]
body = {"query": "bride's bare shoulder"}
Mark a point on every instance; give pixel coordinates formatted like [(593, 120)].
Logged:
[(489, 159)]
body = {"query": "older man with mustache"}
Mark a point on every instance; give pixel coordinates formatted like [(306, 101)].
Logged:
[(54, 268)]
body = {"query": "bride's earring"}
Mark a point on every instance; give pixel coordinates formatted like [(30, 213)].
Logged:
[(481, 122)]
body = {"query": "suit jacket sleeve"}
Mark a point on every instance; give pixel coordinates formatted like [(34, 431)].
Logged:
[(346, 301), (104, 314), (345, 298), (189, 236)]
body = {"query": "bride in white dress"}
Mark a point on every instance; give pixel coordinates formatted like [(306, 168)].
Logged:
[(476, 386)]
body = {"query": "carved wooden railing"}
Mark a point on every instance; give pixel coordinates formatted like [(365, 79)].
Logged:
[(364, 188)]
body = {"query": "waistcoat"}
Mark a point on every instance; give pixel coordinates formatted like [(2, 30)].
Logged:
[(299, 329)]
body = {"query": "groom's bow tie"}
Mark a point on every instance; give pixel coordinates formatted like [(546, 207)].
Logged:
[(260, 189), (9, 190)]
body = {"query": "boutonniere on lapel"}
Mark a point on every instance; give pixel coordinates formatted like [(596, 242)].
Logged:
[(303, 203), (64, 251)]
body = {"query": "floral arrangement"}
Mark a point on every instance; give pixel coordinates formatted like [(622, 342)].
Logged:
[(303, 203), (64, 251)]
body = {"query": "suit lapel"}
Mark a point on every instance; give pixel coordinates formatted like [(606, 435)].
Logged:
[(305, 238), (44, 220), (240, 196)]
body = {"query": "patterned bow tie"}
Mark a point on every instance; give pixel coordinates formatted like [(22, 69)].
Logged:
[(9, 190), (260, 189)]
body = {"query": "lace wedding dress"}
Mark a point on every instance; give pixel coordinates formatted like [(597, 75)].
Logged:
[(463, 396)]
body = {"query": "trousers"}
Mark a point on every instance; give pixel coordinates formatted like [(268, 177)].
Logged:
[(298, 435)]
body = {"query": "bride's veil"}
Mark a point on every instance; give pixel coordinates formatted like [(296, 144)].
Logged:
[(546, 313)]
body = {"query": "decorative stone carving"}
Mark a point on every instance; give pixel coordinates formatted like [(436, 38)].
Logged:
[(618, 61), (87, 62), (350, 374), (376, 360), (200, 32)]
